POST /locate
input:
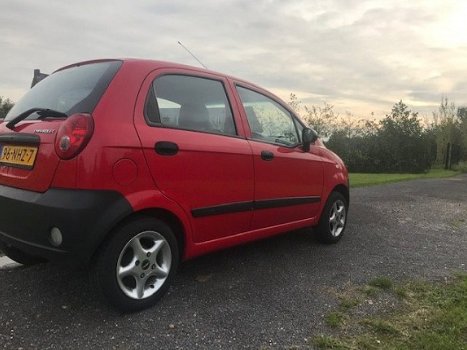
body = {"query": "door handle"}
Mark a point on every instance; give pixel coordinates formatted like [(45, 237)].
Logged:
[(267, 155), (166, 148)]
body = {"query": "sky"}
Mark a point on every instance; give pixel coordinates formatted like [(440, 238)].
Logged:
[(359, 56)]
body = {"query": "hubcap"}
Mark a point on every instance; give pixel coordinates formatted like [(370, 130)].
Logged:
[(144, 265), (337, 218)]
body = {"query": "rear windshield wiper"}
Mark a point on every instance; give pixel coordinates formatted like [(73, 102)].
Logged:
[(43, 113)]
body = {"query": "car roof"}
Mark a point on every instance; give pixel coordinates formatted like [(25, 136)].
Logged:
[(148, 65)]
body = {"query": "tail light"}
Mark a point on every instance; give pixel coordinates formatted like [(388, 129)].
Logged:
[(73, 135)]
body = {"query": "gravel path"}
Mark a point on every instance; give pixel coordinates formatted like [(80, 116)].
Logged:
[(271, 293)]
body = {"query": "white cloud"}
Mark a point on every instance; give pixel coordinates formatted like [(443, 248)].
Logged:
[(360, 56)]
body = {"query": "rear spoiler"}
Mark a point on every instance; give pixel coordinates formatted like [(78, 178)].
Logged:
[(37, 77)]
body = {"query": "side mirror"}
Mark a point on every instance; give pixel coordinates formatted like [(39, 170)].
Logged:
[(309, 136)]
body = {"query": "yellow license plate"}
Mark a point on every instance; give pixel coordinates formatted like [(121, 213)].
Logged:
[(22, 156)]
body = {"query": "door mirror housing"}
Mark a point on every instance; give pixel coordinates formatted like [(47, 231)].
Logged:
[(309, 136)]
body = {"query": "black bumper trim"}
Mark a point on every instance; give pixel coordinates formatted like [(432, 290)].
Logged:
[(83, 216), (20, 242)]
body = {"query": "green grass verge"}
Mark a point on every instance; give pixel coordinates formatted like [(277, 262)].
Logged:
[(363, 179), (429, 316)]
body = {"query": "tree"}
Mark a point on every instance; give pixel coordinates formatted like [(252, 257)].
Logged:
[(447, 125), (295, 103), (353, 140), (401, 145), (5, 106), (398, 143), (462, 116), (323, 119)]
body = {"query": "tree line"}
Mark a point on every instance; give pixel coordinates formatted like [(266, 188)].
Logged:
[(398, 143)]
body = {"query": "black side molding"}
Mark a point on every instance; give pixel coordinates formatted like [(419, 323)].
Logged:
[(253, 205), (222, 209), (284, 202)]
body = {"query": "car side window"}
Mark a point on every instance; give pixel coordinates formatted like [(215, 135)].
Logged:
[(268, 120), (190, 103)]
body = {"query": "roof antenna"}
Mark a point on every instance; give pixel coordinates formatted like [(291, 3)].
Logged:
[(192, 55)]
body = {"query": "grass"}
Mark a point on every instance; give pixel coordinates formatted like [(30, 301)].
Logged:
[(327, 342), (369, 291), (335, 319), (381, 326), (429, 316), (364, 179), (458, 223), (347, 303), (381, 282)]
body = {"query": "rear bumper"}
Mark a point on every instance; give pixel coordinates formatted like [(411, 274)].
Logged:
[(84, 217)]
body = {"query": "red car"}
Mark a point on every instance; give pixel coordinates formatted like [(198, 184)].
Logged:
[(131, 166)]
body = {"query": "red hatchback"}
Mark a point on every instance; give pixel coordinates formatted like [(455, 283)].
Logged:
[(133, 165)]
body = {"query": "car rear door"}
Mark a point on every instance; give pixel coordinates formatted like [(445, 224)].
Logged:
[(288, 180), (196, 151)]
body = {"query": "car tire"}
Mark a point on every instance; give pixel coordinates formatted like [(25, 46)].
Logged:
[(21, 257), (135, 266), (333, 219)]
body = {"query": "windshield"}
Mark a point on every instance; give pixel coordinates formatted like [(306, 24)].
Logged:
[(73, 90)]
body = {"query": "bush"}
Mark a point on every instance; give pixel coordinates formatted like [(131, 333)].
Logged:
[(397, 144)]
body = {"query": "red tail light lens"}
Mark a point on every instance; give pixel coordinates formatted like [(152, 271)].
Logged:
[(73, 135)]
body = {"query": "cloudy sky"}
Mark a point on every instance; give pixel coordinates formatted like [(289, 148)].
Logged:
[(360, 56)]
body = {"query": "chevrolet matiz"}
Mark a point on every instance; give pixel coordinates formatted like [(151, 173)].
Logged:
[(131, 166)]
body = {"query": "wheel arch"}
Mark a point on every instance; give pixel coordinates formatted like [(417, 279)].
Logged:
[(340, 188), (173, 221), (164, 215), (344, 190)]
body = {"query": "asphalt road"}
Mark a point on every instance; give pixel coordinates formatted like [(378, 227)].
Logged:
[(269, 294)]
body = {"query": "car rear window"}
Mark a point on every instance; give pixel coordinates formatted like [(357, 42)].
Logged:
[(77, 89)]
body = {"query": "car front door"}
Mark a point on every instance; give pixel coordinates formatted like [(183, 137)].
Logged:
[(196, 156), (288, 180)]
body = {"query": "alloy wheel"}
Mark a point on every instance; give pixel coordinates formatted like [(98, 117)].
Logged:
[(144, 265), (337, 217)]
